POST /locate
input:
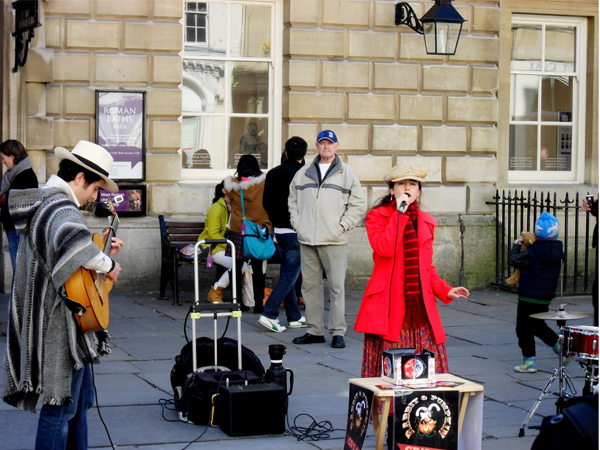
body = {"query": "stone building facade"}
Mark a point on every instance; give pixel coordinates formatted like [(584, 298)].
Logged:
[(337, 64)]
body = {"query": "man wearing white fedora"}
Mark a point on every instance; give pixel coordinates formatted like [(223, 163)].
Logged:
[(47, 355)]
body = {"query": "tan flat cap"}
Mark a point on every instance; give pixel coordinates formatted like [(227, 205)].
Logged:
[(405, 172)]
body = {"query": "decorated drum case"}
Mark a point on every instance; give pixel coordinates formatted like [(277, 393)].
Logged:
[(404, 367)]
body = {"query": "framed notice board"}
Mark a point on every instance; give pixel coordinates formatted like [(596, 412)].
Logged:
[(121, 129)]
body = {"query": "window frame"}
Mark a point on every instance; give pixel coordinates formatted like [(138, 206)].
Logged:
[(576, 174), (185, 26), (275, 89)]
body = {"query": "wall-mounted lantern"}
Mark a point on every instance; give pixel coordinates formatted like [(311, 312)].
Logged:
[(441, 26), (26, 20)]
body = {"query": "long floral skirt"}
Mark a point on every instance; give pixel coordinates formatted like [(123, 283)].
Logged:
[(418, 338)]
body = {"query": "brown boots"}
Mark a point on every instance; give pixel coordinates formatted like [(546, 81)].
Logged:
[(215, 295)]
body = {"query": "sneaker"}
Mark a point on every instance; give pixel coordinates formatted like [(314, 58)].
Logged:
[(301, 302), (528, 366), (300, 323), (271, 324)]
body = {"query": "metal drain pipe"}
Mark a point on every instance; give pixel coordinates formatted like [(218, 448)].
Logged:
[(462, 251)]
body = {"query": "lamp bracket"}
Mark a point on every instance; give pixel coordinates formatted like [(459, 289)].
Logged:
[(405, 15), (26, 20), (21, 46)]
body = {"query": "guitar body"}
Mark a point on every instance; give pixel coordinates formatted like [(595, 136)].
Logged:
[(90, 289)]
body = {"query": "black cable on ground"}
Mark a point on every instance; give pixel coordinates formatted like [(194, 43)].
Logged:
[(98, 409), (169, 405), (195, 440), (314, 432), (89, 355)]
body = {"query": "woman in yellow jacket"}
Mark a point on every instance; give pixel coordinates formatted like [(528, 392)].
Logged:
[(217, 219)]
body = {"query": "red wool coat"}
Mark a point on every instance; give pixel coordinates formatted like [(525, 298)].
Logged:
[(383, 306)]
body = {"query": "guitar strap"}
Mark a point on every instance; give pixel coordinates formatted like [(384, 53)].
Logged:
[(75, 307)]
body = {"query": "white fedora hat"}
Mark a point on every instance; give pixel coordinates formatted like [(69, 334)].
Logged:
[(91, 156)]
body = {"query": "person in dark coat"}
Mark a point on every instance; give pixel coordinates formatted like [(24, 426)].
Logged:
[(540, 266), (592, 208), (275, 202), (19, 175)]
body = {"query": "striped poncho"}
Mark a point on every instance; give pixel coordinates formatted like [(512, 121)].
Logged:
[(43, 346)]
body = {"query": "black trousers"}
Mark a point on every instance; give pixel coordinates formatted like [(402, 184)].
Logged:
[(595, 291), (528, 328)]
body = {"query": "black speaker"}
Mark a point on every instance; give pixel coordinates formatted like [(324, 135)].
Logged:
[(253, 409)]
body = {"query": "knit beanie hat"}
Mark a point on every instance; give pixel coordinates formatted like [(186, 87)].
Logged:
[(546, 227)]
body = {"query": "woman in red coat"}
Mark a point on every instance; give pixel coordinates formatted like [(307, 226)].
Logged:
[(399, 308)]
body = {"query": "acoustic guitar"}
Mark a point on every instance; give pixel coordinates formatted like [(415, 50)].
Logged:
[(90, 289)]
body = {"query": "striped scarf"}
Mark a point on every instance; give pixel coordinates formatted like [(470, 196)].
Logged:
[(415, 316)]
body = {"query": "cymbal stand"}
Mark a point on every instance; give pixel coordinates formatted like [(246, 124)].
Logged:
[(591, 376), (564, 381)]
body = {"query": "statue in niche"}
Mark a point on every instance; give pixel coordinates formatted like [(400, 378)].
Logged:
[(250, 141)]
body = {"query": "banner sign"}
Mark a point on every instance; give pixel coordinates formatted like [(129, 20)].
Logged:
[(360, 404), (426, 420), (120, 129)]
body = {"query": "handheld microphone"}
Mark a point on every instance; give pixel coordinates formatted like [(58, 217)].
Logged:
[(403, 204)]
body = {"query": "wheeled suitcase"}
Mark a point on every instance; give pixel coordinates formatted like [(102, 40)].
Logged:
[(204, 396)]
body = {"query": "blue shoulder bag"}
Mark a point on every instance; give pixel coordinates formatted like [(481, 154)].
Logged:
[(257, 240)]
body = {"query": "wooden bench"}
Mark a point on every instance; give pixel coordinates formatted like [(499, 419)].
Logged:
[(173, 237)]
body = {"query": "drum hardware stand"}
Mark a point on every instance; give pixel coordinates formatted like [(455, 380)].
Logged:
[(591, 376), (564, 381)]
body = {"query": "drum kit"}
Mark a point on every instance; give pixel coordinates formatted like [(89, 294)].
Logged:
[(580, 343)]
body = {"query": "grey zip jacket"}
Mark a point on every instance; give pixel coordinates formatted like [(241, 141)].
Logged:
[(321, 211)]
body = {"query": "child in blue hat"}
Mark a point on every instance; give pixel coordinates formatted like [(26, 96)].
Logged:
[(540, 266)]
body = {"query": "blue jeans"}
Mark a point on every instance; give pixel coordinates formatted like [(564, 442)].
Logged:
[(13, 246), (63, 427), (289, 252)]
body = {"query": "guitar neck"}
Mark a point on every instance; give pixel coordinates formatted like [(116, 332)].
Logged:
[(112, 232)]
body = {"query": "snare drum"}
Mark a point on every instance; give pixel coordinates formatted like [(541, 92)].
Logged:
[(581, 341)]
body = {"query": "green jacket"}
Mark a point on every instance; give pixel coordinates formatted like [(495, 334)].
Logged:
[(216, 224)]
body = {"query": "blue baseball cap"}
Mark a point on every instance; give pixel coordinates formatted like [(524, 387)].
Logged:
[(327, 134)]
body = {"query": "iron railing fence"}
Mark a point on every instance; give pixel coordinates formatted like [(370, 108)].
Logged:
[(517, 212)]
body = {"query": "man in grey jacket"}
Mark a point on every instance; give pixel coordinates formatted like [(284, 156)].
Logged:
[(325, 202)]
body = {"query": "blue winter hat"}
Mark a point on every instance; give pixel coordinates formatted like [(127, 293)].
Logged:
[(546, 227)]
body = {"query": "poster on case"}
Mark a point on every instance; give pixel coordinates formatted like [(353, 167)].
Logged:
[(426, 420), (360, 403), (120, 129)]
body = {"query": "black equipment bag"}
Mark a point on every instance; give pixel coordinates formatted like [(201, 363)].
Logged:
[(194, 395), (227, 351), (575, 428)]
